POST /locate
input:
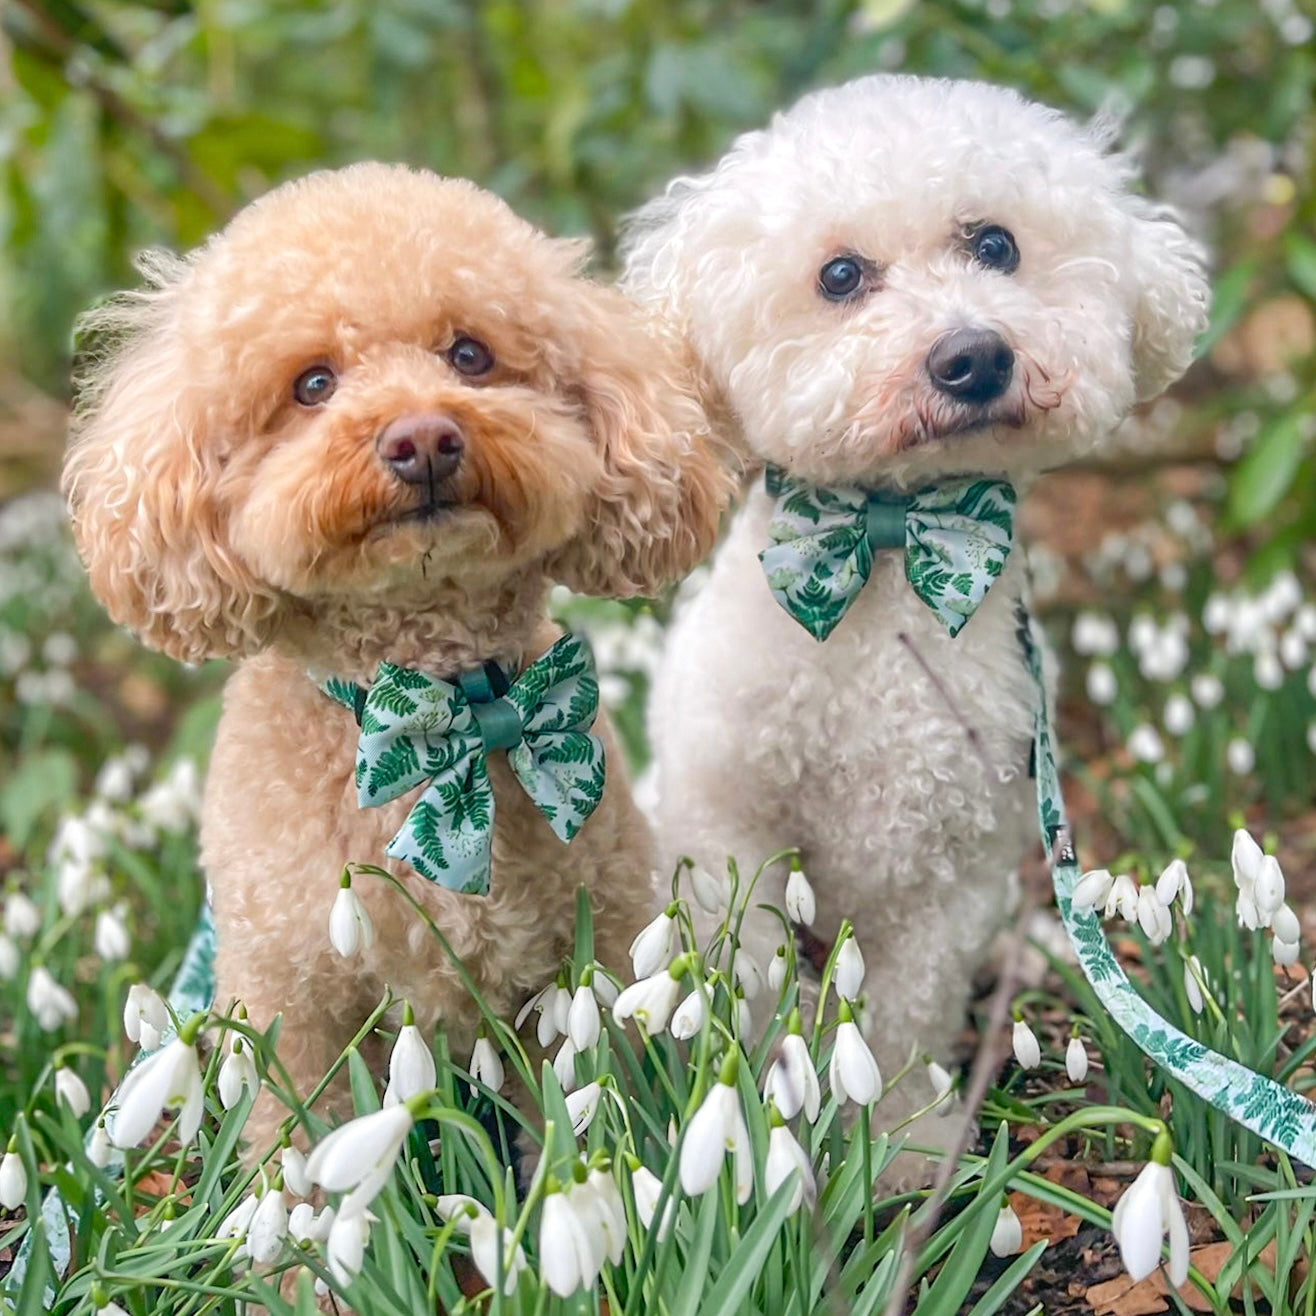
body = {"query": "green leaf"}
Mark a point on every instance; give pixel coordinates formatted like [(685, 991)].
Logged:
[(1268, 468), (1300, 257), (727, 1297), (41, 785)]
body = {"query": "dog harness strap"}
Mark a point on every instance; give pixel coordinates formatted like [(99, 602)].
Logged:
[(1268, 1108)]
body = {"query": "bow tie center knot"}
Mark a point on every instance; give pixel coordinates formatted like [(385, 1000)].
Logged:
[(499, 720), (884, 522)]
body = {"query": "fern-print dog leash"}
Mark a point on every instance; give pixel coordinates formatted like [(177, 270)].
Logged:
[(955, 537)]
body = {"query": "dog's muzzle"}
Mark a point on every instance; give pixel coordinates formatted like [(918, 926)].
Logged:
[(971, 365)]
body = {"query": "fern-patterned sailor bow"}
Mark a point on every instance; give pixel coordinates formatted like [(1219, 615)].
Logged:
[(956, 536), (417, 728)]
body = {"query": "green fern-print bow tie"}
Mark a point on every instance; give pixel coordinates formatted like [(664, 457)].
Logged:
[(417, 728), (956, 536)]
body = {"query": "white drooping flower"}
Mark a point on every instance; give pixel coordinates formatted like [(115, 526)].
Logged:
[(716, 1128), (1153, 917), (1192, 972), (411, 1067), (648, 1190), (801, 905), (778, 970), (583, 1023), (359, 1156), (582, 1106), (1024, 1042), (571, 1245), (487, 1238), (486, 1065), (1240, 756), (688, 1017), (553, 1005), (115, 780), (745, 973), (1179, 715), (237, 1072), (654, 945), (1123, 898), (170, 1078), (792, 1081), (171, 804), (943, 1086), (99, 1147), (1285, 924), (269, 1226), (711, 892), (1174, 881), (786, 1158), (1101, 684), (145, 1016), (1094, 634), (1268, 889), (1007, 1233), (1145, 743), (1148, 1210), (848, 974), (853, 1074), (1284, 953), (1092, 889), (1207, 690), (111, 938), (345, 1248), (564, 1065), (651, 1000), (51, 1005), (1076, 1060), (72, 1091), (599, 1202), (13, 1178), (350, 928)]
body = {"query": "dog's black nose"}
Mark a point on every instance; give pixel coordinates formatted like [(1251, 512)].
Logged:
[(973, 365), (422, 449)]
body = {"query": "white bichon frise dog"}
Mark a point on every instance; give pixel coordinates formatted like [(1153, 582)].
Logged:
[(901, 286)]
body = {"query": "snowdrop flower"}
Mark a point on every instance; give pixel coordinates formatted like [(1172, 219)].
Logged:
[(99, 1147), (9, 959), (111, 938), (411, 1067), (651, 1000), (1026, 1049), (786, 1158), (1094, 634), (655, 944), (853, 1074), (711, 893), (801, 906), (145, 1016), (350, 928), (346, 1245), (73, 885), (238, 1073), (746, 974), (583, 1025), (1245, 858), (1174, 881), (1148, 1210), (716, 1128), (1007, 1233), (777, 970), (22, 917), (1284, 952), (292, 1161), (1206, 690), (1240, 756), (1145, 744), (1153, 917), (114, 782), (360, 1155), (571, 1252), (1192, 973), (301, 1222), (598, 1202), (648, 1190), (269, 1225), (1285, 924), (564, 1066), (474, 1220), (13, 1178), (1292, 649), (582, 1106), (1267, 670), (486, 1065), (942, 1084), (51, 1005), (1101, 685), (72, 1091), (848, 975), (1124, 898), (1092, 889), (689, 1016), (1268, 888), (1178, 717), (1076, 1059), (169, 1078), (553, 1005), (792, 1081)]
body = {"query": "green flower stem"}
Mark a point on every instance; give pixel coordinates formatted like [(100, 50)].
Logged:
[(845, 930)]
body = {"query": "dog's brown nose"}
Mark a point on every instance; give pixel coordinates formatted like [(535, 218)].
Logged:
[(422, 449), (973, 365)]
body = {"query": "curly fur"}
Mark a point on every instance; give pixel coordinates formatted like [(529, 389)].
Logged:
[(893, 756), (219, 517)]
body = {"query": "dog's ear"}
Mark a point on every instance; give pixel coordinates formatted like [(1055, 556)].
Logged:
[(654, 512), (140, 479), (1166, 270)]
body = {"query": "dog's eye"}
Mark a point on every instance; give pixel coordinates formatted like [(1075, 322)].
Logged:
[(314, 386), (994, 247), (469, 356), (841, 278)]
